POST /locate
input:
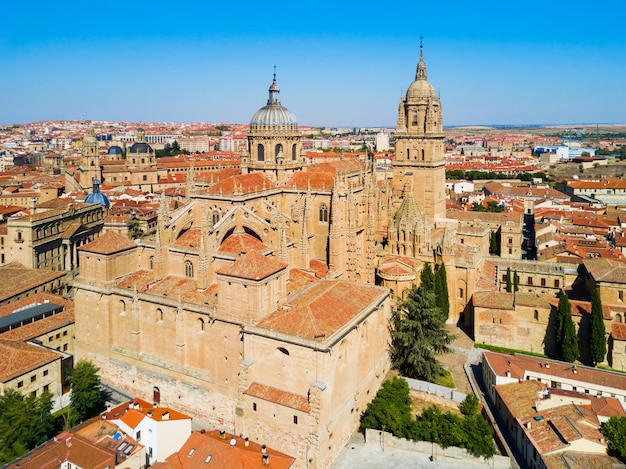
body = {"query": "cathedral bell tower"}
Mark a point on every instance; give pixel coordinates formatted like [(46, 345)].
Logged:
[(273, 141), (90, 160), (419, 166)]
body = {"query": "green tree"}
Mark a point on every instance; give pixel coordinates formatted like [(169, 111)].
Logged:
[(515, 281), (390, 410), (564, 310), (614, 431), (85, 385), (134, 228), (509, 284), (568, 338), (25, 422), (478, 436), (441, 290), (469, 406), (597, 332), (42, 425), (493, 243), (418, 335), (427, 278)]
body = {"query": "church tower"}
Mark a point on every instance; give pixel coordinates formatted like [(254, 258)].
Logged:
[(90, 160), (419, 166), (273, 141)]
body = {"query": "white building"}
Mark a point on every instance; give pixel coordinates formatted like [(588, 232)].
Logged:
[(161, 430)]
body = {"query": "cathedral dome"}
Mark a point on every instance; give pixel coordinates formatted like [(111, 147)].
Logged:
[(420, 88), (97, 197), (274, 114), (115, 150)]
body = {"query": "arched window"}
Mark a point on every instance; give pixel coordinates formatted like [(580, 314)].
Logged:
[(261, 152), (294, 152), (323, 213), (151, 262), (159, 315), (408, 154), (188, 269), (156, 395), (216, 217), (414, 117), (122, 306), (422, 154), (200, 325), (278, 149), (618, 318)]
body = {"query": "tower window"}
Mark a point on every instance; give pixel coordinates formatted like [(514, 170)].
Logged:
[(261, 152), (188, 269), (278, 149), (323, 213), (414, 117), (294, 152)]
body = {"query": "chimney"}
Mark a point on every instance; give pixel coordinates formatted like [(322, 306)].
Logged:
[(264, 449), (165, 416), (266, 459), (246, 442), (233, 442), (222, 434), (528, 425)]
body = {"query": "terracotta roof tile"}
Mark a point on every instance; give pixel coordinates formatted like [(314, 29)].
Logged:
[(240, 243), (278, 396), (21, 357), (16, 278), (242, 184), (253, 266), (207, 448), (109, 243), (322, 309)]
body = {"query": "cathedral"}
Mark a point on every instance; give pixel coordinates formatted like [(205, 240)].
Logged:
[(261, 304)]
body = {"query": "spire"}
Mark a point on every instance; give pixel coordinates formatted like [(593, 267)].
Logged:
[(274, 90), (420, 74)]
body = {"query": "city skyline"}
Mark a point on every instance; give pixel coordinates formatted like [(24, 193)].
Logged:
[(337, 64)]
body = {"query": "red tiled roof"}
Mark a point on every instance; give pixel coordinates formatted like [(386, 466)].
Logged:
[(208, 448), (253, 266), (314, 180), (243, 184), (278, 396), (239, 243), (318, 312), (21, 357), (110, 243)]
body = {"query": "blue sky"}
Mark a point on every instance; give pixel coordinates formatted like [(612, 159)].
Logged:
[(338, 63)]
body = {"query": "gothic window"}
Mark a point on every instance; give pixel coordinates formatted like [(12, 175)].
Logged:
[(200, 325), (122, 307), (159, 315), (156, 395), (261, 152), (216, 217), (293, 152), (414, 117), (188, 269), (323, 213), (278, 149)]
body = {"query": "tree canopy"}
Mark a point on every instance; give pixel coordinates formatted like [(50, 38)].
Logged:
[(85, 384), (25, 422), (391, 411), (418, 335), (597, 331), (614, 431)]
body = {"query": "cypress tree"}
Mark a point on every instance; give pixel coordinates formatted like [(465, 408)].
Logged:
[(493, 244), (509, 285), (427, 278), (597, 332), (441, 290), (566, 331), (515, 281)]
